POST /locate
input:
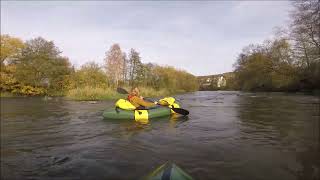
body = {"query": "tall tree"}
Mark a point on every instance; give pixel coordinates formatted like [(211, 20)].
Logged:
[(136, 67), (125, 68), (268, 66), (41, 64), (114, 64), (305, 30)]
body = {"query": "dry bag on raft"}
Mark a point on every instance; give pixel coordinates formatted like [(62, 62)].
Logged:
[(124, 104), (170, 102)]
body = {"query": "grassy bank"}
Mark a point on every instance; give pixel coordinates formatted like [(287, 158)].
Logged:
[(150, 92), (90, 93)]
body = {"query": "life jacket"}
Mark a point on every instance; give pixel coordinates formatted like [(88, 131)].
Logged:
[(129, 97), (124, 104)]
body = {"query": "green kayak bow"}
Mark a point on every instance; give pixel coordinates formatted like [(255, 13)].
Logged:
[(168, 171)]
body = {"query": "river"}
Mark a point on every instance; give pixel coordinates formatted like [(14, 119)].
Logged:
[(228, 135)]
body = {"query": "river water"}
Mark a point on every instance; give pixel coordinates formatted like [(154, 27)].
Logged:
[(228, 135)]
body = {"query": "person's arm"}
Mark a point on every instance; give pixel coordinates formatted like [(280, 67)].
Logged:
[(142, 102)]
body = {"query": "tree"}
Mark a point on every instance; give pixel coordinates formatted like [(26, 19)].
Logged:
[(284, 69), (41, 65), (125, 68), (10, 48), (254, 71), (167, 77), (268, 66), (136, 68), (290, 62), (149, 77), (89, 75), (114, 64), (305, 31)]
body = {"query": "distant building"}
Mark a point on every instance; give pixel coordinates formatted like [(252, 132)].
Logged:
[(215, 82)]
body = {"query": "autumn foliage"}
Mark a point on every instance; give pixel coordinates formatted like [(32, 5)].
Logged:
[(289, 62), (36, 67)]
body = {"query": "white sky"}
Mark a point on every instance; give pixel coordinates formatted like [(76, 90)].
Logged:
[(200, 37)]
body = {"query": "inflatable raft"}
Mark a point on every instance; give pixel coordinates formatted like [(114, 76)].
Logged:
[(136, 114), (125, 110)]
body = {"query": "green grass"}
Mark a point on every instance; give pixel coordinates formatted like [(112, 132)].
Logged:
[(150, 92), (91, 93), (56, 93)]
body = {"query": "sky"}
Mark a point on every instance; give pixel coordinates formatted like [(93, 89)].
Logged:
[(202, 38)]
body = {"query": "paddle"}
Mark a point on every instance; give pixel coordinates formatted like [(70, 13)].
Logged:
[(122, 91), (177, 110)]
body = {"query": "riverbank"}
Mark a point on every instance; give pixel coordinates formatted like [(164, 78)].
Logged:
[(94, 94), (98, 94), (89, 93)]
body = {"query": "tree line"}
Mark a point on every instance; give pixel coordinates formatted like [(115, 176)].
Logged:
[(125, 70), (36, 67), (289, 62)]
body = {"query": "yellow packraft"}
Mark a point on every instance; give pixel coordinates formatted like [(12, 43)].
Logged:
[(167, 101)]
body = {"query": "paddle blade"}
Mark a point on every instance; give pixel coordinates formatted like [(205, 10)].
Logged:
[(181, 111), (122, 91)]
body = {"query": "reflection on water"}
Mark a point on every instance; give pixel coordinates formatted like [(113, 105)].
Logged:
[(228, 135)]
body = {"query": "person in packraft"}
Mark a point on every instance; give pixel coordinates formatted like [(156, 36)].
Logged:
[(138, 101)]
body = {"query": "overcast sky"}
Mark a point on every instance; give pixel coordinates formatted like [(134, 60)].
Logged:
[(200, 37)]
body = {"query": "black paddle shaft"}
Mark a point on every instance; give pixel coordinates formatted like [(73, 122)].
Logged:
[(122, 91)]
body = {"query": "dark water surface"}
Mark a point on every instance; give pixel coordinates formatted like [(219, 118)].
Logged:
[(228, 135)]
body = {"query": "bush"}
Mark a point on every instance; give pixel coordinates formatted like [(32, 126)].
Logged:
[(92, 93), (151, 92), (90, 75), (30, 91), (9, 84)]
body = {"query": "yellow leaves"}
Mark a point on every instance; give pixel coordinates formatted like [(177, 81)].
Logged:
[(10, 46), (8, 83), (90, 75), (31, 91), (174, 79)]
